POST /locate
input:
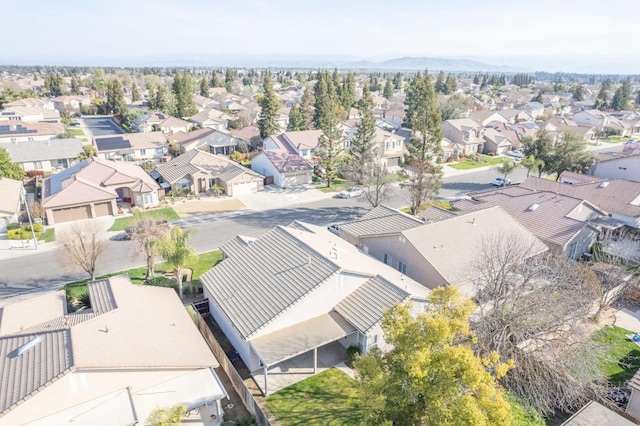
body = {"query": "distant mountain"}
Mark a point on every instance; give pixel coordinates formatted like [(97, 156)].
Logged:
[(409, 63)]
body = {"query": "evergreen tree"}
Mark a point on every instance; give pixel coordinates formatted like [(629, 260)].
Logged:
[(602, 99), (53, 83), (204, 86), (325, 98), (348, 92), (135, 93), (485, 81), (163, 100), (622, 97), (183, 93), (540, 148), (337, 82), (440, 84), (374, 84), (578, 92), (476, 79), (115, 103), (228, 80), (307, 108), (388, 90), (270, 104), (397, 81), (423, 117), (296, 119), (8, 169), (363, 140), (215, 82), (450, 85), (75, 86), (538, 98), (328, 115)]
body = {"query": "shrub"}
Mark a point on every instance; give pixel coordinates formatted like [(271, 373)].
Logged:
[(353, 352), (13, 225), (162, 281), (18, 234), (37, 228)]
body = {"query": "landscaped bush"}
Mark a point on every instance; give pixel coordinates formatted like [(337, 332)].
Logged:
[(162, 281), (18, 234), (13, 225), (353, 352), (37, 228)]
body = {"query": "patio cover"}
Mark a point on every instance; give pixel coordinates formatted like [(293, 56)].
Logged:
[(608, 222), (300, 338)]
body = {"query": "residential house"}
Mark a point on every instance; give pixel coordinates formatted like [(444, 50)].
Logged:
[(281, 164), (211, 140), (18, 131), (389, 147), (596, 414), (159, 121), (211, 118), (567, 225), (133, 350), (514, 116), (496, 142), (68, 104), (437, 253), (395, 117), (249, 135), (137, 147), (202, 102), (535, 109), (451, 151), (11, 197), (485, 117), (618, 197), (630, 118), (31, 103), (94, 187), (303, 142), (465, 132), (592, 117), (30, 114), (564, 125), (310, 293), (617, 165), (633, 406), (514, 132), (197, 171), (52, 155)]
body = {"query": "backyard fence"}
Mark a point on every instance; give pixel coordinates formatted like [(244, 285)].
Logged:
[(245, 394)]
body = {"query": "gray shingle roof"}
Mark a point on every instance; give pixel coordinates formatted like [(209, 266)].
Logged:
[(286, 162), (257, 284), (234, 246), (10, 192), (101, 296), (364, 307), (53, 149), (381, 220), (436, 214), (24, 375)]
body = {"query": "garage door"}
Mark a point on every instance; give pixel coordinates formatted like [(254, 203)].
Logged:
[(245, 188), (393, 162), (71, 213), (295, 179), (103, 209), (502, 150)]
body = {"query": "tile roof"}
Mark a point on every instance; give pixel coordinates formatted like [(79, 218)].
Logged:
[(52, 149), (196, 161), (12, 128), (436, 214), (303, 139), (551, 221), (87, 182), (286, 162), (10, 193), (365, 307), (255, 285), (380, 220), (24, 374), (147, 140), (618, 196), (28, 102)]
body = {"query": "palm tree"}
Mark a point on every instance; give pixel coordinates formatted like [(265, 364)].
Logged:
[(175, 250), (532, 164), (506, 167)]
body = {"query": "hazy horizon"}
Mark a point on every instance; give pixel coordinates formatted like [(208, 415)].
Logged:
[(580, 37)]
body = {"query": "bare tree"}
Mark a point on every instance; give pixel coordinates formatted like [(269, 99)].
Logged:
[(147, 233), (82, 245), (533, 310), (612, 272), (377, 188)]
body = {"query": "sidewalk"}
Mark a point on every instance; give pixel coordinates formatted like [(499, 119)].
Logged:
[(274, 198)]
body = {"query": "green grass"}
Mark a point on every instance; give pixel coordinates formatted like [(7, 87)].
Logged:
[(337, 185), (48, 236), (470, 164), (623, 356), (328, 398), (165, 213), (438, 203), (200, 265), (397, 177), (615, 139), (76, 132), (522, 416)]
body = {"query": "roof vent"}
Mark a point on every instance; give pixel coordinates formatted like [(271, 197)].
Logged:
[(533, 207), (603, 184), (30, 344)]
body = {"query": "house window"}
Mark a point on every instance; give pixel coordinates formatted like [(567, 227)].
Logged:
[(361, 342), (30, 139), (402, 267), (372, 341), (37, 165), (388, 259), (143, 152), (13, 139), (159, 151)]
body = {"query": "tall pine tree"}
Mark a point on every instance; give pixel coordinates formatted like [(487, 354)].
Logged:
[(424, 148), (296, 119), (270, 105), (348, 92), (228, 80), (307, 107), (387, 93), (215, 82), (204, 86), (397, 81), (182, 91), (327, 118), (363, 140), (440, 84), (135, 93)]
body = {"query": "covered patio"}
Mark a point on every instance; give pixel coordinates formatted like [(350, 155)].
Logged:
[(300, 351)]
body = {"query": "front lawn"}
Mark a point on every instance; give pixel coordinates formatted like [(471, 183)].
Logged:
[(165, 213), (202, 264), (443, 204), (328, 398), (337, 185), (615, 139), (75, 132), (485, 160), (48, 236), (623, 356)]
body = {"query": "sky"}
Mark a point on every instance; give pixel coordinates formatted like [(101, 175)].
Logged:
[(569, 35)]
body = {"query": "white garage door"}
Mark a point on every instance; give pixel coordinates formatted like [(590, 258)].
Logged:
[(502, 150), (294, 179), (245, 188)]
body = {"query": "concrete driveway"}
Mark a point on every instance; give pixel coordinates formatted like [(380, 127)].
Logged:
[(207, 206), (628, 319)]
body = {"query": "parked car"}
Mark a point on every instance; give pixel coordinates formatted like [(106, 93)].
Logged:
[(354, 191), (74, 124), (500, 181), (515, 154)]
